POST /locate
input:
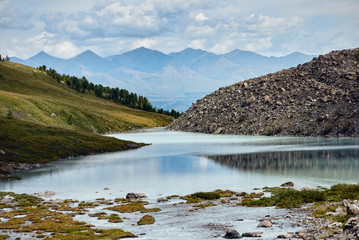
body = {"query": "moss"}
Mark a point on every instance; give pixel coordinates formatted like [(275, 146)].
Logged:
[(340, 192), (95, 234), (224, 193), (133, 207), (3, 237), (288, 198), (146, 220), (114, 218), (97, 214), (206, 195), (320, 212), (204, 205)]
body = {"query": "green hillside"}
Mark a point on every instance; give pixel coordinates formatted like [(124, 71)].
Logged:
[(42, 120)]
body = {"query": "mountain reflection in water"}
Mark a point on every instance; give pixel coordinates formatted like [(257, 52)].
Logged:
[(334, 164)]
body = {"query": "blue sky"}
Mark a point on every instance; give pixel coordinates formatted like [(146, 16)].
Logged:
[(269, 27)]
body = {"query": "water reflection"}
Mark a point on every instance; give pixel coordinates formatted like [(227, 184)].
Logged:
[(334, 164)]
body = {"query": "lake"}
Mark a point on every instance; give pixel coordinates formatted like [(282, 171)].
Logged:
[(183, 163)]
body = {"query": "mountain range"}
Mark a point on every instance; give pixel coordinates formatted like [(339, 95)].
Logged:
[(169, 81)]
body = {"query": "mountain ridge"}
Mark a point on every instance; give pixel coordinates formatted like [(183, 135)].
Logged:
[(200, 69), (317, 98)]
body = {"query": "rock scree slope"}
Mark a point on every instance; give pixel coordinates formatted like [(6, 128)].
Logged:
[(317, 98)]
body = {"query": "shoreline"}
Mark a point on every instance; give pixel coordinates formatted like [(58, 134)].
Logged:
[(182, 217)]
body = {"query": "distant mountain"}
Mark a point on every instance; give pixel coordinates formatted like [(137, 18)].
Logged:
[(317, 98), (172, 80), (43, 58)]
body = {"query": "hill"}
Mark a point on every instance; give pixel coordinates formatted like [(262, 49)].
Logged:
[(169, 81), (42, 120), (318, 98)]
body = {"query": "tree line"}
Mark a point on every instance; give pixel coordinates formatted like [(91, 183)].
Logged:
[(116, 95), (7, 58)]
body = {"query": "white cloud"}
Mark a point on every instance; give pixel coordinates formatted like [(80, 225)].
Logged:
[(50, 43), (200, 31), (198, 44), (200, 17), (111, 26), (147, 43)]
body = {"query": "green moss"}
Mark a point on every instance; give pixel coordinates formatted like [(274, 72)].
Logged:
[(224, 193), (340, 192), (133, 207), (146, 220), (114, 218), (204, 205), (206, 195), (288, 198), (3, 237)]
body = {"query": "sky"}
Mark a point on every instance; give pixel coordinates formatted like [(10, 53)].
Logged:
[(65, 28)]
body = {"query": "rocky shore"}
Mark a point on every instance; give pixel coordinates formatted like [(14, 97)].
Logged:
[(318, 98), (202, 215)]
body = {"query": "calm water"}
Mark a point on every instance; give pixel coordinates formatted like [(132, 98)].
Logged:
[(181, 163)]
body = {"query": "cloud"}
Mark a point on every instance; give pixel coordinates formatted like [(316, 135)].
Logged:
[(12, 18), (111, 26), (200, 17), (51, 44)]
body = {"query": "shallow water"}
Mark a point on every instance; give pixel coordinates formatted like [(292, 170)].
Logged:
[(182, 163)]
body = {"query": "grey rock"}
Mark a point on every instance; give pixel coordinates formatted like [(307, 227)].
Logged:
[(252, 234), (2, 152), (284, 235), (106, 189), (7, 199), (265, 224), (351, 208), (46, 194), (287, 184), (232, 234), (335, 225), (53, 115), (352, 224), (162, 199), (136, 196)]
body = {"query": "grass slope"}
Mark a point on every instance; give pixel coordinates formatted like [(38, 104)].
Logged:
[(31, 95), (31, 135)]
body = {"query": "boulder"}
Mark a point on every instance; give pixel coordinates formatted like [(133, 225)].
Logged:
[(265, 224), (46, 194), (53, 115), (335, 225), (232, 234), (136, 196), (287, 184), (106, 189), (162, 199), (2, 152), (352, 208), (284, 235), (252, 234), (7, 199), (352, 224)]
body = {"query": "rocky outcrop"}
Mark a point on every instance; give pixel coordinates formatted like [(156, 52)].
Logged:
[(318, 98)]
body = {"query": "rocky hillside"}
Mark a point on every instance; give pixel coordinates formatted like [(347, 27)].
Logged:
[(318, 98)]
